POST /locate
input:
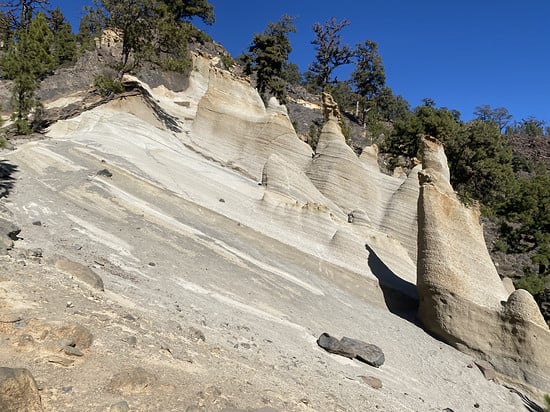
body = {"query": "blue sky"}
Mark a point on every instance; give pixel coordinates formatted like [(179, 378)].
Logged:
[(461, 53)]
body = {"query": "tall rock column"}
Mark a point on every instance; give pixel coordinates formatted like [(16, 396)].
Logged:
[(462, 299)]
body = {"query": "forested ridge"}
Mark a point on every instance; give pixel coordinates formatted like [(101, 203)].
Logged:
[(489, 157)]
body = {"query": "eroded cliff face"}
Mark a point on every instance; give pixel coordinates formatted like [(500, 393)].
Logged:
[(205, 215), (462, 299)]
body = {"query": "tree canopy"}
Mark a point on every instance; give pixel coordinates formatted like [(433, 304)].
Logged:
[(26, 62), (268, 57), (330, 53)]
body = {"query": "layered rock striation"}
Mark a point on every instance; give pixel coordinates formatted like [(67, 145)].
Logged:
[(462, 299)]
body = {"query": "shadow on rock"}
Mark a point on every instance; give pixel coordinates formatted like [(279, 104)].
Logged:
[(400, 296), (6, 179)]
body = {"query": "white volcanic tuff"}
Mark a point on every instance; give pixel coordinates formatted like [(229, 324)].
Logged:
[(400, 217), (462, 299), (233, 127), (221, 247)]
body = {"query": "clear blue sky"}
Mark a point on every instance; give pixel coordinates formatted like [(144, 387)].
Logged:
[(461, 53)]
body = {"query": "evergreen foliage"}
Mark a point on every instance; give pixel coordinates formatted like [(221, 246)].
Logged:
[(424, 120), (26, 62), (480, 161), (268, 56), (156, 31), (107, 84), (187, 9), (64, 41), (330, 53), (5, 30), (90, 27), (527, 224), (500, 116), (530, 127), (368, 77), (21, 12)]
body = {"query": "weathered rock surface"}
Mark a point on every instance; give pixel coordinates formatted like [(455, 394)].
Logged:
[(233, 126), (18, 391), (462, 299), (352, 348), (81, 272), (136, 380), (260, 273)]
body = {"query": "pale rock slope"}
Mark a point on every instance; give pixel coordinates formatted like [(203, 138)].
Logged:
[(462, 299), (225, 250)]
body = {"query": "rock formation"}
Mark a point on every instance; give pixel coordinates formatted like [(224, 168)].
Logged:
[(18, 391), (225, 248), (233, 126), (462, 299)]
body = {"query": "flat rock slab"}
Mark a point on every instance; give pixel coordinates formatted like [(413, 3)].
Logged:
[(81, 272), (353, 349)]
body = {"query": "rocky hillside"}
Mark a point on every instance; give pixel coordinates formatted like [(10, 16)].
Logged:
[(180, 248)]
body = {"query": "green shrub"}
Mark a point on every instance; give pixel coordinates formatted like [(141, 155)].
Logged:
[(227, 61), (107, 85), (547, 402), (531, 283), (501, 246)]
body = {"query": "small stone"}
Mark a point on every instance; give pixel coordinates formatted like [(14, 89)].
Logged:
[(152, 264), (10, 317), (365, 352), (36, 253), (222, 200), (104, 172), (81, 272), (37, 223), (69, 304), (132, 341), (70, 350), (67, 389), (333, 345), (80, 335), (136, 380), (476, 405), (121, 406), (352, 348), (196, 334), (58, 360), (25, 340), (372, 381)]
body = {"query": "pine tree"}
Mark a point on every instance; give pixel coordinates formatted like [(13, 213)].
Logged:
[(90, 28), (21, 12), (186, 9), (64, 41), (136, 21), (329, 52), (269, 53), (27, 61), (368, 77)]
